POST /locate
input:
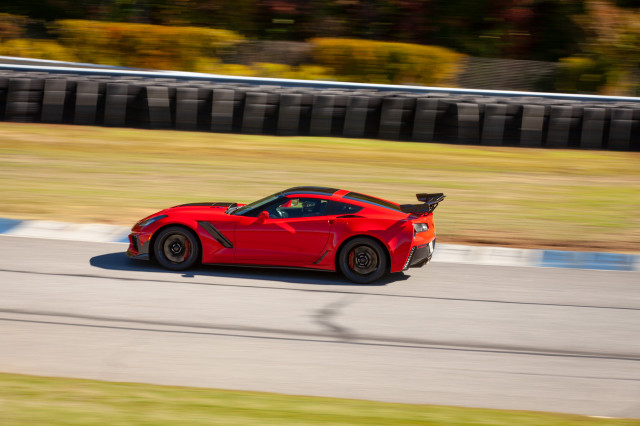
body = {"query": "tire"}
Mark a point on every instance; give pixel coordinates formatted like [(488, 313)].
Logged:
[(176, 248), (362, 260)]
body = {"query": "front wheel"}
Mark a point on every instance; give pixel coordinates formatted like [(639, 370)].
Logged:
[(176, 248), (362, 260)]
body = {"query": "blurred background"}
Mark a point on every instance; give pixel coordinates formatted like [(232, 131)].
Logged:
[(571, 46), (550, 174)]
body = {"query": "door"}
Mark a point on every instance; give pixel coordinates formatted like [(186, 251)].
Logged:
[(295, 233)]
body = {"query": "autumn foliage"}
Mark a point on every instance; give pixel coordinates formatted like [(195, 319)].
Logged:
[(143, 45), (383, 62), (595, 43)]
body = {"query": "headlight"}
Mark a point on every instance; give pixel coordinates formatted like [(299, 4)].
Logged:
[(420, 227), (150, 220)]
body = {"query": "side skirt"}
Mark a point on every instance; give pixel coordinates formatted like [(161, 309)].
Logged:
[(247, 265)]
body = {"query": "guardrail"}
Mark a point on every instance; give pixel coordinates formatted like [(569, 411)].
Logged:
[(202, 102), (51, 66)]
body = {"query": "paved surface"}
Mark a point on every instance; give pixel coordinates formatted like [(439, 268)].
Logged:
[(524, 338)]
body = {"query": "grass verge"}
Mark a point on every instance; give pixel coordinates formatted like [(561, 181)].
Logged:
[(30, 400), (505, 196)]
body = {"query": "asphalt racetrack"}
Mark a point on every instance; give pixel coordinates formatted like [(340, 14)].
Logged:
[(562, 340)]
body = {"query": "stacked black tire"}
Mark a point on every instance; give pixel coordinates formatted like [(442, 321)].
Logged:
[(288, 111)]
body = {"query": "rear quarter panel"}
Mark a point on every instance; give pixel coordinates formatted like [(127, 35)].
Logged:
[(396, 236)]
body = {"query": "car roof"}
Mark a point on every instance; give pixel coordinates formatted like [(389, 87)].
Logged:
[(353, 197), (321, 190)]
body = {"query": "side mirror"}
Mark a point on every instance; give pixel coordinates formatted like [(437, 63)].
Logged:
[(263, 216)]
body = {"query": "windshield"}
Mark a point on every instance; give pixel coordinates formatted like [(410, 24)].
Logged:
[(255, 205)]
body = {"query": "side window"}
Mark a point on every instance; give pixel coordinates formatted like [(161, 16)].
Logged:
[(339, 208), (267, 204), (299, 207)]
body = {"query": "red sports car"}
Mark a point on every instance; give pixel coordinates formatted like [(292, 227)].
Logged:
[(305, 227)]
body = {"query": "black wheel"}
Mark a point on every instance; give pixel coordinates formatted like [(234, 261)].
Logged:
[(176, 248), (362, 260)]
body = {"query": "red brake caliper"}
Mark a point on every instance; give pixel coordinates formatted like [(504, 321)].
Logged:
[(187, 249)]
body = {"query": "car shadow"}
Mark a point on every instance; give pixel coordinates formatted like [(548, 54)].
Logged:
[(119, 261)]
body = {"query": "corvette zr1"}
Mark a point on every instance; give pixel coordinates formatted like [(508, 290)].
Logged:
[(304, 227)]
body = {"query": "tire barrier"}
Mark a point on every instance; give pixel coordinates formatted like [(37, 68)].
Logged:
[(198, 105)]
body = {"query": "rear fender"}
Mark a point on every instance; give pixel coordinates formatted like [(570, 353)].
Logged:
[(395, 235)]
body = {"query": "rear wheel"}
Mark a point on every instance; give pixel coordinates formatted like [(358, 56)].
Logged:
[(176, 248), (362, 260)]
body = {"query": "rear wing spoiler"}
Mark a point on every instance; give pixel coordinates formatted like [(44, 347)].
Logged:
[(430, 201)]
